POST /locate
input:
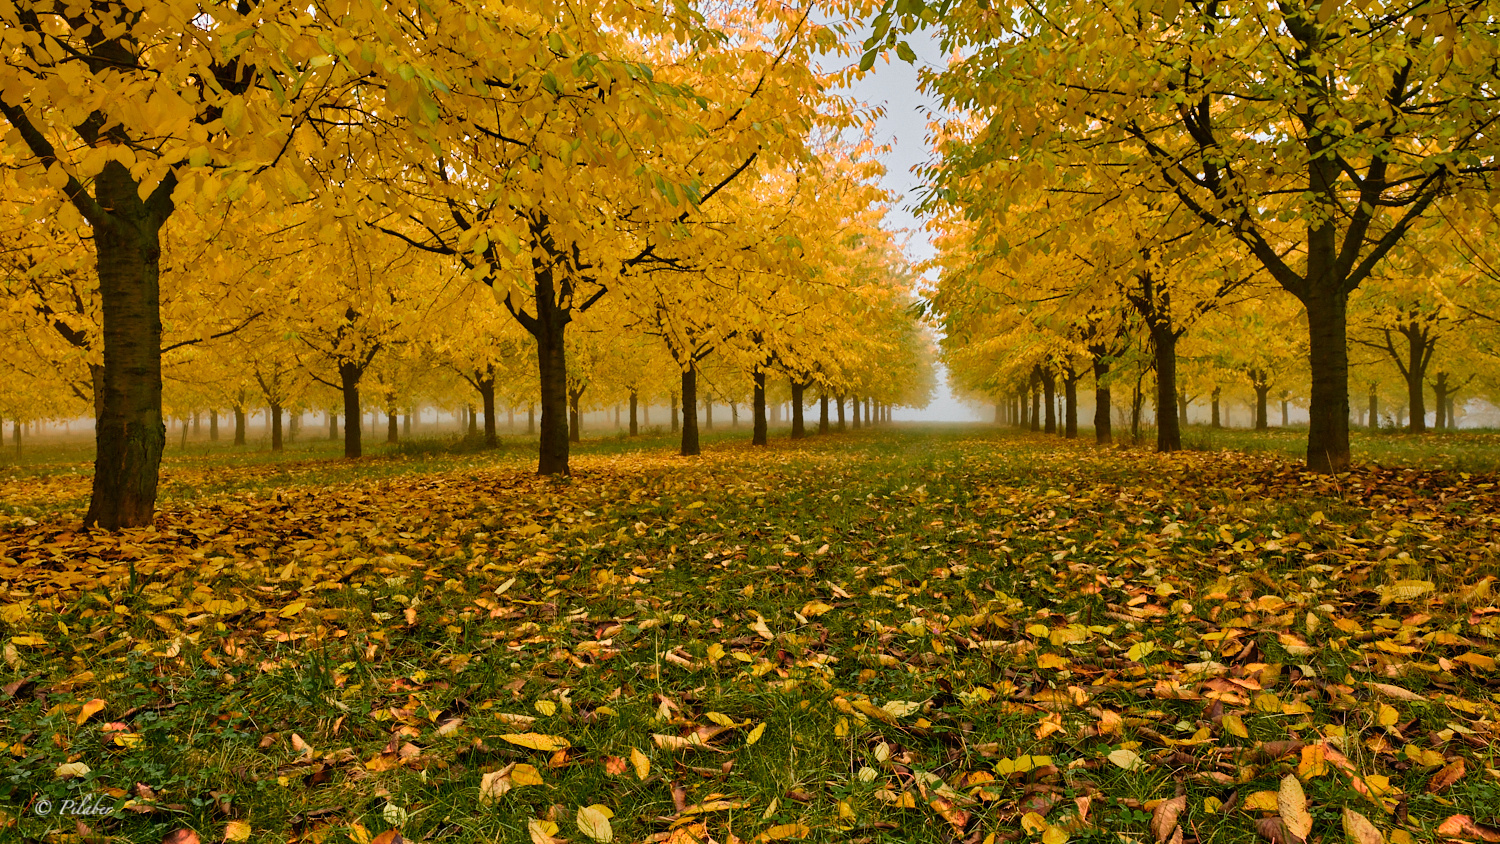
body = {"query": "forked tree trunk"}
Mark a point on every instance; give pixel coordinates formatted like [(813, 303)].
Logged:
[(799, 430), (758, 409), (349, 375), (690, 410), (1070, 405)]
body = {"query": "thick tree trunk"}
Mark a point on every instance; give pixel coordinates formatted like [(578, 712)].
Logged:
[(130, 433), (1416, 373), (758, 410), (1440, 402), (869, 416), (1286, 416), (1328, 355), (799, 429), (1262, 417), (690, 410), (838, 402), (823, 413), (294, 425), (635, 400), (1036, 407), (349, 375), (275, 427), (1102, 433), (239, 426), (1214, 419), (392, 426), (552, 370), (1164, 345), (213, 426), (1374, 406)]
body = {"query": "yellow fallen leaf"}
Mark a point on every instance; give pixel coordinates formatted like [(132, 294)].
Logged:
[(813, 609), (784, 831), (237, 831), (593, 821), (524, 774), (1359, 830), (537, 741), (641, 763), (1235, 727), (1264, 801), (1127, 759), (1291, 804), (1051, 662), (293, 609), (69, 770), (755, 734), (542, 832), (89, 710), (546, 707)]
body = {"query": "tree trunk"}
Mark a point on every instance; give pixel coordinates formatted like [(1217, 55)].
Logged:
[(294, 425), (275, 427), (1440, 402), (239, 426), (1070, 405), (333, 425), (1214, 419), (1262, 418), (708, 413), (1137, 400), (552, 370), (1374, 407), (690, 410), (1102, 433), (15, 435), (823, 413), (1328, 355), (869, 416), (1416, 372), (758, 409), (530, 418), (734, 415), (406, 423), (392, 426), (130, 433), (799, 429), (349, 375), (1036, 407), (1164, 345), (213, 426), (1286, 417), (471, 420), (196, 426), (854, 412), (634, 404), (487, 396), (575, 428)]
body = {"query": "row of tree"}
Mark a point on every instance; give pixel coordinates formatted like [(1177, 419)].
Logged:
[(554, 198), (1242, 183)]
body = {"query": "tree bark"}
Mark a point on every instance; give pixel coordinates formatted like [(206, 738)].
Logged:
[(823, 412), (1164, 346), (333, 425), (130, 433), (1070, 404), (1036, 407), (392, 426), (869, 416), (1214, 420), (575, 429), (552, 369), (1328, 356), (690, 410), (854, 412), (276, 427), (1102, 433), (1440, 402), (1374, 406), (1286, 417), (15, 435), (799, 429), (487, 396), (634, 403), (1262, 389), (239, 426), (758, 434), (349, 375), (708, 413)]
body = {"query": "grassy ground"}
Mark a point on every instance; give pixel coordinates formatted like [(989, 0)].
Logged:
[(908, 636)]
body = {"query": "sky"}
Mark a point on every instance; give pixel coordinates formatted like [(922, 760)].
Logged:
[(893, 85)]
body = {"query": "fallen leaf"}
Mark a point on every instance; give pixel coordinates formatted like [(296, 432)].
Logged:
[(543, 832), (89, 710), (536, 741), (1450, 774), (1164, 818), (181, 836), (593, 821), (1127, 759), (1291, 804), (1359, 830), (236, 831), (641, 763)]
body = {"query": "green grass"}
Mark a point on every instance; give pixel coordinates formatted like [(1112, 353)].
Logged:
[(1004, 595)]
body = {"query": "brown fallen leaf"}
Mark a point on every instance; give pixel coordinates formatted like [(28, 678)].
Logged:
[(1450, 774), (181, 836), (1273, 830), (1463, 826), (1164, 818)]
